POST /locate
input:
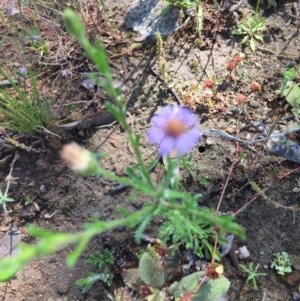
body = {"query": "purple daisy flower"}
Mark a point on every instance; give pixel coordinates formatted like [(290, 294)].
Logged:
[(175, 130)]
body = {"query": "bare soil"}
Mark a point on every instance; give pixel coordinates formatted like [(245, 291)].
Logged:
[(272, 225)]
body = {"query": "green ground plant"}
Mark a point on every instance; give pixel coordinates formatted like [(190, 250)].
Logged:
[(189, 287), (165, 196), (290, 89), (186, 5), (4, 199), (194, 287), (183, 4), (282, 263), (103, 262), (251, 31), (101, 259), (37, 42), (185, 229), (22, 109), (252, 273)]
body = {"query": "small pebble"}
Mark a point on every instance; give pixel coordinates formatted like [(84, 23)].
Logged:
[(55, 143), (41, 164), (42, 188), (63, 283), (243, 252), (23, 70), (296, 296), (62, 288), (293, 279), (107, 189), (209, 141), (113, 143)]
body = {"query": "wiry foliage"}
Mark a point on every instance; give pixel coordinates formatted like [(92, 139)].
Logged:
[(23, 110)]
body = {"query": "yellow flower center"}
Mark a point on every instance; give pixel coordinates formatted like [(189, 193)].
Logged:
[(175, 128)]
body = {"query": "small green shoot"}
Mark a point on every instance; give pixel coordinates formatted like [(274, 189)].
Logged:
[(87, 282), (37, 42), (251, 31), (161, 55), (103, 262), (203, 182), (282, 263), (4, 199), (27, 201), (183, 4), (252, 273)]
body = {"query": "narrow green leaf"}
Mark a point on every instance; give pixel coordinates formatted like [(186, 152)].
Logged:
[(73, 23), (252, 45), (74, 255)]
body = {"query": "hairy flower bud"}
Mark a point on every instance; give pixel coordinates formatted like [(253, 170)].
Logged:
[(79, 159)]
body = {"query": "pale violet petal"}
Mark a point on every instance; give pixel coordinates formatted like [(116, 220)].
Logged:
[(155, 135), (187, 140), (187, 117), (166, 146)]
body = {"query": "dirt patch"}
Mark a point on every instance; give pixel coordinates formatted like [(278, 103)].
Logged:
[(271, 224)]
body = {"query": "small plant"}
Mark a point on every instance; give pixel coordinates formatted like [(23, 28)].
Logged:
[(282, 263), (161, 55), (291, 90), (4, 199), (186, 5), (194, 287), (253, 274), (251, 31), (27, 201), (23, 110), (203, 182), (151, 269), (37, 42), (211, 289), (103, 262), (183, 4), (233, 63), (87, 282), (195, 234)]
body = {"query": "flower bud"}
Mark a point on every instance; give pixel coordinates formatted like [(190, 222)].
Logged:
[(79, 159)]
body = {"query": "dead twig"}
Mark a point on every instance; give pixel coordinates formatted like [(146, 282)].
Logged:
[(9, 179), (293, 208), (170, 89), (234, 162)]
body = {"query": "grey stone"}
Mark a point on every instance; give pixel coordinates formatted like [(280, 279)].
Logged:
[(295, 260), (296, 296), (8, 246), (145, 18)]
